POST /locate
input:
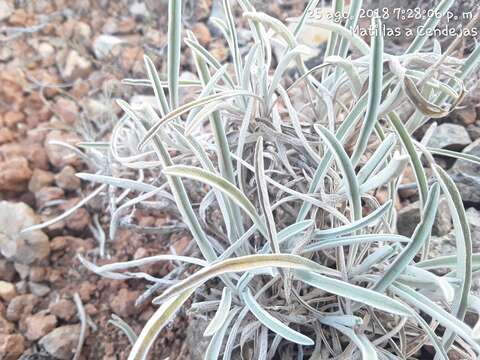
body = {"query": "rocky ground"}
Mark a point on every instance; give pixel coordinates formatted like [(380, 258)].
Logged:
[(61, 62)]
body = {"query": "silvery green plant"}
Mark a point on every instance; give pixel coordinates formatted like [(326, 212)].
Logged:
[(304, 261)]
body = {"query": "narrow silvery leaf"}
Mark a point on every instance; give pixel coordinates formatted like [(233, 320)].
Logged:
[(282, 67), (263, 196), (133, 185), (248, 67), (283, 235), (378, 256), (296, 124), (221, 314), (124, 327), (213, 349), (353, 292), (344, 33), (233, 334), (312, 4), (417, 166), (176, 186), (367, 349), (352, 20), (294, 229), (263, 347), (376, 159), (440, 282), (345, 320), (436, 312), (156, 323), (351, 181), (347, 125), (221, 142), (391, 171), (209, 59), (333, 39), (237, 60), (200, 116), (407, 143), (374, 90), (422, 232), (208, 88), (187, 107), (275, 24), (67, 213), (350, 70), (442, 262), (351, 240), (296, 194), (157, 85), (243, 264), (124, 265), (273, 323), (463, 249), (456, 155), (115, 217), (221, 184), (174, 48), (224, 204)]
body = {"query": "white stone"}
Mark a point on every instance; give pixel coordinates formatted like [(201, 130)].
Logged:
[(103, 45)]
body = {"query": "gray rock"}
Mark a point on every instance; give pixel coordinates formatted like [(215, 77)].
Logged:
[(22, 270), (474, 131), (6, 54), (6, 9), (62, 341), (473, 217), (409, 217), (139, 9), (450, 136), (24, 248), (442, 245), (467, 174), (22, 287), (38, 289), (103, 45)]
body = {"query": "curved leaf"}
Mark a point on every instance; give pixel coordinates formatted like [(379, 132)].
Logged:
[(273, 323), (243, 264), (353, 292), (156, 323), (374, 90), (422, 232), (221, 184), (221, 314)]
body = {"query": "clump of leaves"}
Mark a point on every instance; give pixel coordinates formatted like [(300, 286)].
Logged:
[(305, 259)]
